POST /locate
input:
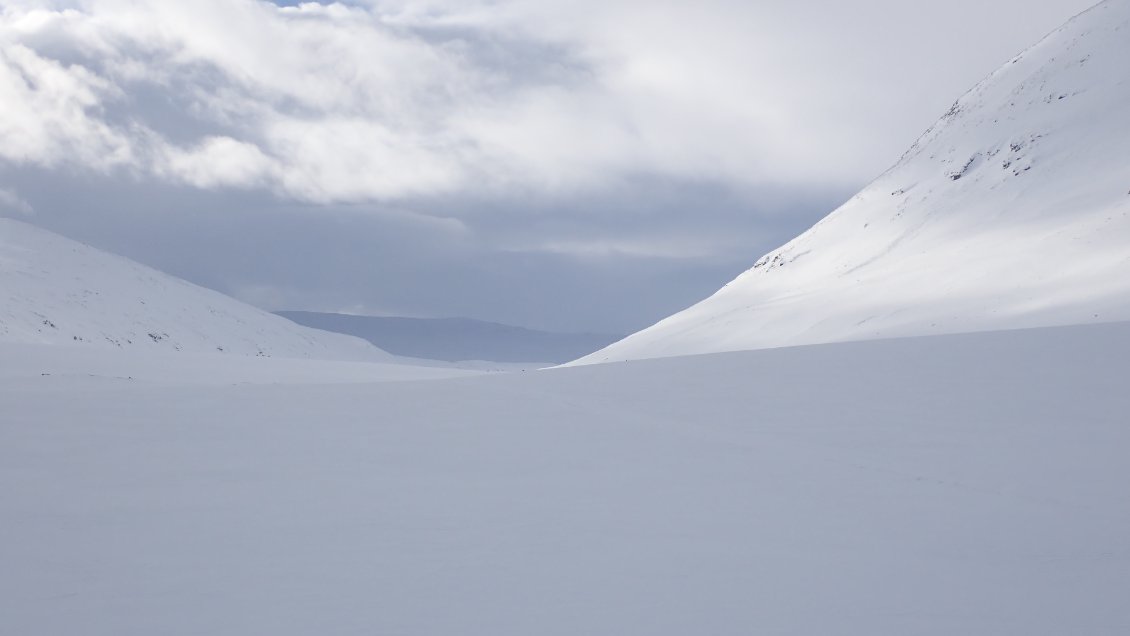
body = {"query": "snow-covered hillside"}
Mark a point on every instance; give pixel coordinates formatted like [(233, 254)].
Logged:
[(55, 290), (1012, 211)]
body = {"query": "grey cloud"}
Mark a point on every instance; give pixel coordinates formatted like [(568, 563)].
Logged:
[(381, 101), (12, 202), (491, 259)]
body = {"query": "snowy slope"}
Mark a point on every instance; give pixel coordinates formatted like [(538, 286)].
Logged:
[(973, 484), (1012, 211), (55, 290)]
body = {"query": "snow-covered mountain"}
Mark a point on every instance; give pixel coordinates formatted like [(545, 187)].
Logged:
[(55, 290), (1012, 211)]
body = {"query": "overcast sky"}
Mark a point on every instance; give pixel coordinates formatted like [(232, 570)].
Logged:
[(584, 165)]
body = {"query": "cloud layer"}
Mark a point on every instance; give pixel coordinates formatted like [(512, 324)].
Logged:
[(388, 100)]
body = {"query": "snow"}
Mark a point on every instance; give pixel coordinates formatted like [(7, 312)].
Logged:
[(929, 485), (1012, 211), (26, 364), (57, 291), (965, 484)]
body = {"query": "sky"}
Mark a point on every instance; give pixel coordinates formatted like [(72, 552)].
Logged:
[(572, 166)]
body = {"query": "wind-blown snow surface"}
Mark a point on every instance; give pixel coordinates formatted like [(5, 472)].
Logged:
[(1012, 211), (58, 291), (970, 484)]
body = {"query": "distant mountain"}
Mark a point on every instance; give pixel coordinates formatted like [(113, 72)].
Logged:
[(456, 339), (57, 291), (1012, 211)]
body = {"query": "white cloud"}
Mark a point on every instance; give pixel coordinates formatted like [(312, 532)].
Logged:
[(49, 113), (9, 200), (402, 98), (319, 103), (218, 162)]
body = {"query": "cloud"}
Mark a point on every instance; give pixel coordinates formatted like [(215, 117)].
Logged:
[(321, 103), (9, 200), (218, 162), (48, 118), (387, 100)]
